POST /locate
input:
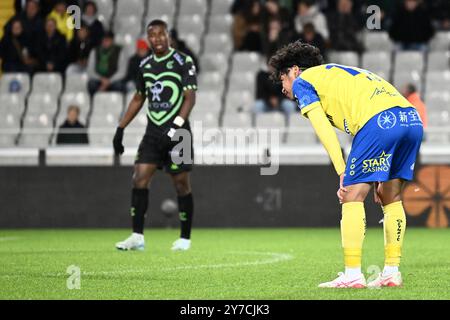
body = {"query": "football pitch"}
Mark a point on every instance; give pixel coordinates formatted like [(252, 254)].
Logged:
[(222, 264)]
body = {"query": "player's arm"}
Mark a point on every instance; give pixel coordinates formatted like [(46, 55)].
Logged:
[(328, 138)]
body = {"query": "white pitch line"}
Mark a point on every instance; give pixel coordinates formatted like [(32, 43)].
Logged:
[(273, 258), (8, 238)]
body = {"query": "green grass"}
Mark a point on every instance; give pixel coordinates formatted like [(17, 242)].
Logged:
[(222, 264)]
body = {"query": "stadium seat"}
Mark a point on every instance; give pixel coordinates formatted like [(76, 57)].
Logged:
[(246, 61), (271, 120), (305, 136), (128, 25), (211, 81), (105, 11), (191, 24), (207, 119), (409, 61), (242, 81), (403, 78), (220, 23), (45, 82), (76, 82), (438, 61), (218, 43), (441, 41), (15, 82), (129, 8), (107, 109), (239, 101), (107, 102), (160, 8), (295, 120), (221, 7), (128, 43), (237, 120), (208, 101), (214, 62), (164, 17), (192, 7), (378, 62), (39, 103), (193, 42), (80, 100), (347, 58), (11, 109), (136, 129), (438, 81), (377, 41), (437, 100)]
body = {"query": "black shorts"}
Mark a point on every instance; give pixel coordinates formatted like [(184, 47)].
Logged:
[(150, 151)]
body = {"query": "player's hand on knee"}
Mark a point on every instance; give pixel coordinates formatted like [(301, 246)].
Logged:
[(376, 197), (117, 141), (342, 190)]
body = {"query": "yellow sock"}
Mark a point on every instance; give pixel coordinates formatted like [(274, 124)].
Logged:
[(394, 231), (353, 230)]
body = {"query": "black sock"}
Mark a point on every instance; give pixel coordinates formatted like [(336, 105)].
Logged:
[(139, 203), (186, 210)]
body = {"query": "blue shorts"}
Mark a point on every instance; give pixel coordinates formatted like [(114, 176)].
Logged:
[(385, 148)]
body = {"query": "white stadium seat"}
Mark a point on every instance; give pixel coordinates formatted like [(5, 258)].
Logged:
[(440, 41), (403, 78), (193, 7), (242, 81), (76, 82), (129, 8), (237, 120), (44, 82), (378, 62), (220, 23), (220, 7), (208, 101), (191, 24), (128, 25), (81, 100), (438, 81), (239, 101), (214, 62), (409, 61), (218, 42), (7, 81), (246, 61), (105, 11), (347, 58), (157, 8), (377, 41), (12, 106), (211, 81), (438, 61)]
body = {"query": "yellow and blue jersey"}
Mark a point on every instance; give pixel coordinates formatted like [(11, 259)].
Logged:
[(349, 96)]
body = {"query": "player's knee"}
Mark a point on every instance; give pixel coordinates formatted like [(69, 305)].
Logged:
[(140, 181), (182, 187)]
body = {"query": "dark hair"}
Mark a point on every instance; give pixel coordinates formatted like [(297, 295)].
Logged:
[(411, 88), (108, 34), (158, 22), (298, 54), (90, 3)]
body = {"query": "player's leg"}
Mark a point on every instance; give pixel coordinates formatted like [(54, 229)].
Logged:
[(143, 173), (181, 182), (353, 230), (394, 224)]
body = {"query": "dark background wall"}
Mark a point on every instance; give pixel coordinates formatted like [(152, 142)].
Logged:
[(232, 196)]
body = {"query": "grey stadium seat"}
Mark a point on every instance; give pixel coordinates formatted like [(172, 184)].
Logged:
[(377, 62), (80, 100), (347, 58), (246, 61), (128, 25), (402, 78), (437, 101), (164, 17), (157, 8), (208, 119), (44, 82), (23, 79), (129, 8), (438, 81), (239, 101), (220, 7), (193, 7), (191, 24), (105, 11), (193, 41), (208, 101), (377, 41), (440, 41), (306, 136), (218, 42), (107, 109), (271, 120), (409, 61), (76, 82), (136, 129), (42, 103), (242, 81), (214, 62), (298, 121), (211, 81), (237, 120), (11, 109), (439, 61), (220, 23)]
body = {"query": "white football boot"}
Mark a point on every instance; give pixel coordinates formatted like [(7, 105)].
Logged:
[(391, 280), (344, 281), (133, 242), (181, 245)]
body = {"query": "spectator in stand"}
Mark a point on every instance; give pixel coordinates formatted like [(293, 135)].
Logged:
[(344, 28), (63, 20), (15, 50), (90, 18), (278, 36), (32, 22), (411, 27), (411, 94), (79, 50), (247, 25), (308, 12), (269, 96), (310, 36), (72, 131), (180, 45), (106, 66), (441, 13), (142, 50), (51, 49)]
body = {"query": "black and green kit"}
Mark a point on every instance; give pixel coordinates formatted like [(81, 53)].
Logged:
[(163, 80)]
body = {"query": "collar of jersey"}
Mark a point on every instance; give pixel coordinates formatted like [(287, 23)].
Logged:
[(164, 57)]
